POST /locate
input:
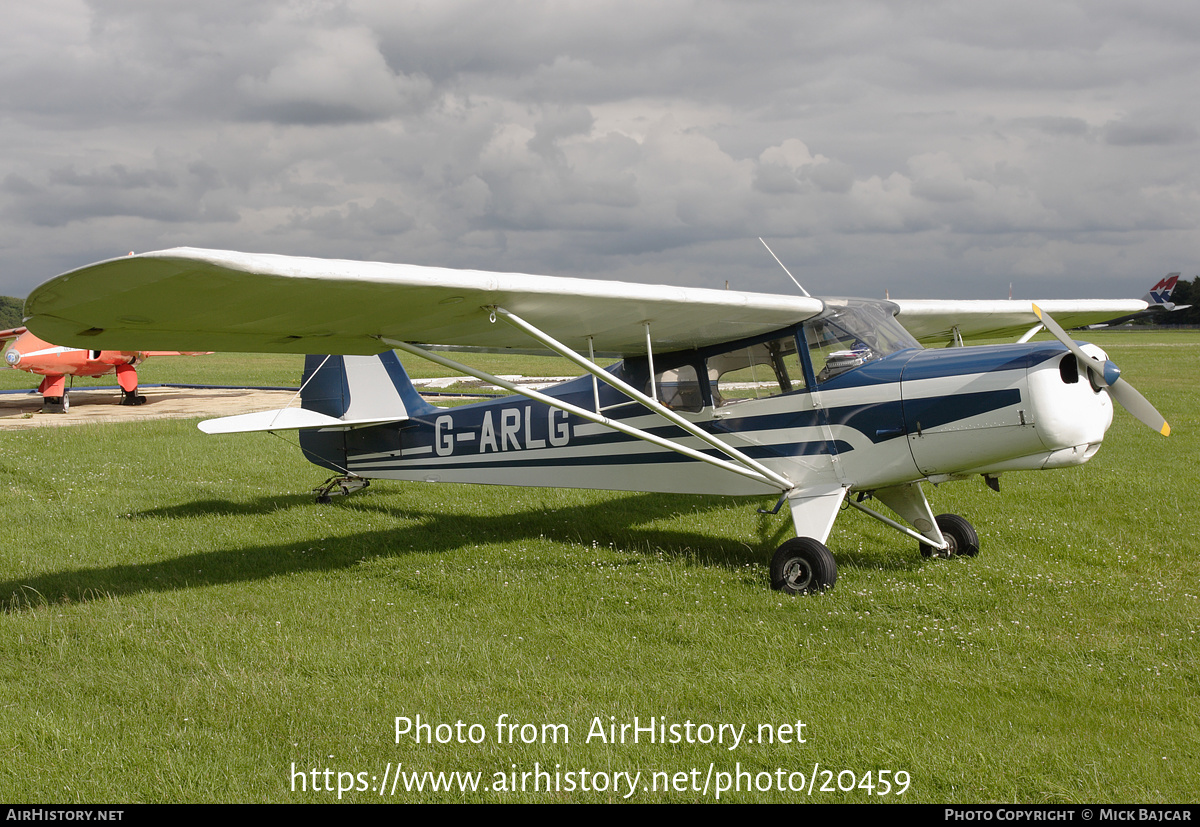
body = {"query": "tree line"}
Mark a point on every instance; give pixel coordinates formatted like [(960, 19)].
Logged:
[(10, 312)]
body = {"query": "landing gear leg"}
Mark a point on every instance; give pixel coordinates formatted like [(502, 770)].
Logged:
[(127, 378), (340, 486), (805, 564), (54, 393)]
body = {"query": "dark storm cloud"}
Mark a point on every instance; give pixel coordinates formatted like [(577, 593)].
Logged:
[(159, 194), (1150, 134)]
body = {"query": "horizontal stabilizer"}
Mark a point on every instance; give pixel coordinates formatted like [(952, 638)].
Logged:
[(286, 419)]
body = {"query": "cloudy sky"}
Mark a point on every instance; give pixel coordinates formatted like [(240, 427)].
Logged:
[(930, 149)]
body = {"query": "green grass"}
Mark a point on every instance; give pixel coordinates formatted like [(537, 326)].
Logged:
[(183, 624)]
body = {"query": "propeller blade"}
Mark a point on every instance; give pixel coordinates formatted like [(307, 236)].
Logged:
[(1138, 405), (1087, 362), (1107, 374)]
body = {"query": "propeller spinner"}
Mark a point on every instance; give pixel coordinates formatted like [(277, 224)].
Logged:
[(1108, 375)]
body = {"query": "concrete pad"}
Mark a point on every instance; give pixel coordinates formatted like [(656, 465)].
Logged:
[(19, 411)]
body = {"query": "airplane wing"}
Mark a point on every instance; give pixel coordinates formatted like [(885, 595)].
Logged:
[(6, 335), (190, 299), (933, 322)]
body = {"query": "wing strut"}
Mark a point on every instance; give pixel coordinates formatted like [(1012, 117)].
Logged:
[(595, 386), (649, 349), (779, 481), (910, 503), (770, 478), (1029, 334)]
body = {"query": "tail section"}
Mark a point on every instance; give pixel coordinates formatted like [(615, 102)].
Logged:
[(355, 392), (338, 393), (360, 390), (1160, 294)]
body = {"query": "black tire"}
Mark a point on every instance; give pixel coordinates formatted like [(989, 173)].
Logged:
[(958, 533), (803, 565)]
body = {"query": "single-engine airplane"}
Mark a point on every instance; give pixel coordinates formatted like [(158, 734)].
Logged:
[(27, 352), (820, 402)]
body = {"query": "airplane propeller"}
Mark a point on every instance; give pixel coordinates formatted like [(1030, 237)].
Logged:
[(1109, 375)]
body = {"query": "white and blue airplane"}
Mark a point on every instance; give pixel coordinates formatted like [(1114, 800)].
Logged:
[(820, 402)]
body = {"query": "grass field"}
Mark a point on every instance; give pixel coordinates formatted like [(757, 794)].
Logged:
[(183, 624)]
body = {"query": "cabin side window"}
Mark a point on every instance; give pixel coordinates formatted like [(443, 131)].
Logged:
[(758, 371), (679, 389)]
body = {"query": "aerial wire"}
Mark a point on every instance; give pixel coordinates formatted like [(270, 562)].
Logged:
[(785, 269)]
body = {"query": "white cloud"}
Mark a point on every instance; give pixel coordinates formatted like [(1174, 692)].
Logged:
[(332, 75)]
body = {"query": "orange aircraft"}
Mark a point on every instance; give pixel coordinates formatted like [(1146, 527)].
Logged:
[(29, 353)]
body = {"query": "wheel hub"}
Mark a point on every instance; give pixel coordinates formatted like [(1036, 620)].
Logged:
[(798, 574)]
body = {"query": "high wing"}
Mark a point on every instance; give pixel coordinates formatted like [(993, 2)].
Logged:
[(191, 299), (188, 299), (934, 321)]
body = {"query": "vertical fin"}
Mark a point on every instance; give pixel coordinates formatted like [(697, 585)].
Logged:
[(360, 387), (350, 388)]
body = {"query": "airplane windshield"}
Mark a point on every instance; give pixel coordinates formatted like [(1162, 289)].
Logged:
[(852, 333), (758, 371)]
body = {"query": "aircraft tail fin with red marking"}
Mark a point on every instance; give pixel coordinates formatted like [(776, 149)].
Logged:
[(1159, 296)]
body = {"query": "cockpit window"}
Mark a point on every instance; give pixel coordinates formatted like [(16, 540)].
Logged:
[(679, 389), (756, 372), (850, 334)]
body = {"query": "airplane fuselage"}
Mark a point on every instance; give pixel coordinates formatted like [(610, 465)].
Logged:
[(913, 414), (33, 355)]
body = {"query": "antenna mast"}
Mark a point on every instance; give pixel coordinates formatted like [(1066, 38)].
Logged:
[(780, 263)]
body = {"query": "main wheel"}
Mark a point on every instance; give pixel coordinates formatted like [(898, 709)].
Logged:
[(958, 533), (803, 565)]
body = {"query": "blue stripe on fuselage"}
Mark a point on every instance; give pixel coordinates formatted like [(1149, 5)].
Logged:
[(964, 361), (496, 430)]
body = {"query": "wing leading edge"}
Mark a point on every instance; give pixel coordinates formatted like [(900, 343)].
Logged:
[(188, 299), (934, 321), (191, 299)]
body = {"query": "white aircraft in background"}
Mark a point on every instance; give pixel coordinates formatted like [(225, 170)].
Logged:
[(820, 402), (1159, 297)]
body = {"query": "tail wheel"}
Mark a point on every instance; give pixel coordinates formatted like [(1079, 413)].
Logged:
[(803, 565), (958, 533)]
